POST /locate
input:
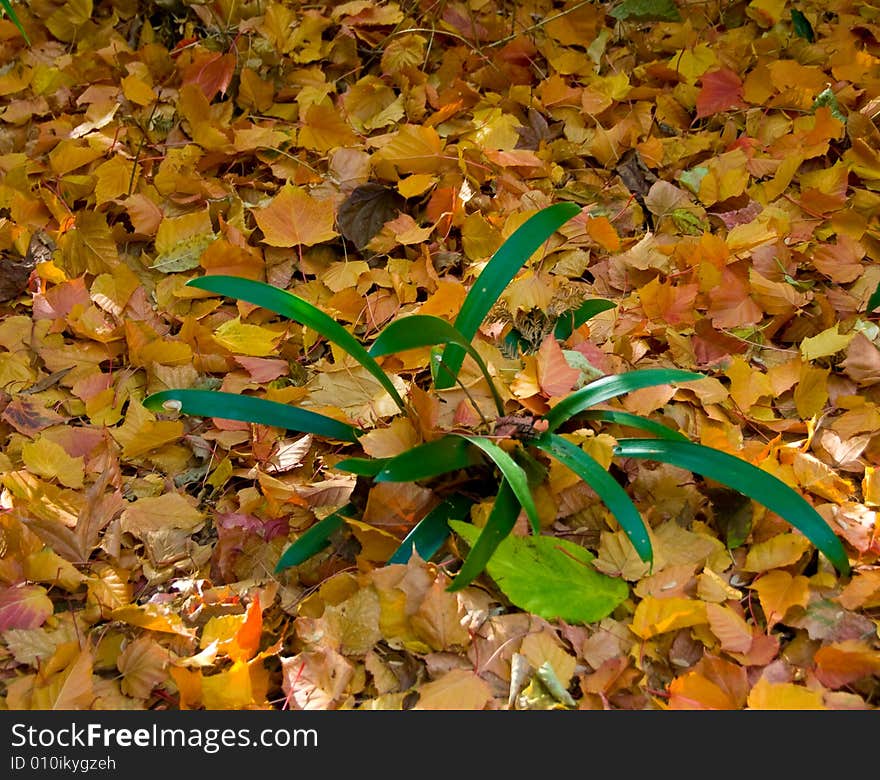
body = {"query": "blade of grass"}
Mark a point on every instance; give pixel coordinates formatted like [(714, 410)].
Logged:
[(246, 408), (13, 17), (499, 524), (295, 308), (363, 467), (606, 487), (608, 387), (497, 274), (314, 540), (514, 475), (567, 324), (874, 300), (429, 535), (428, 460), (425, 330), (632, 421), (749, 480)]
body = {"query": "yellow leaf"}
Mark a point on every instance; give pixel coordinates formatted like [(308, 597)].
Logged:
[(412, 149), (141, 432), (137, 90), (68, 689), (747, 384), (778, 551), (152, 617), (397, 438), (811, 392), (221, 629), (415, 185), (189, 685), (766, 695), (142, 664), (543, 647), (114, 178), (828, 342), (376, 544), (67, 19), (154, 513), (655, 616), (766, 12), (245, 339), (47, 566), (459, 689), (295, 218), (50, 460), (230, 690), (693, 62), (871, 486), (324, 128), (778, 591)]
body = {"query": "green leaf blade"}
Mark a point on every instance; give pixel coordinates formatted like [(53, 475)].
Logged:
[(633, 421), (246, 408), (607, 387), (314, 540), (295, 308), (432, 531), (550, 577), (428, 460), (569, 322), (498, 273), (749, 480), (606, 487), (499, 524), (515, 476)]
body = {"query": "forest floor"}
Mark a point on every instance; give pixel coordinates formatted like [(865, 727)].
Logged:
[(370, 157)]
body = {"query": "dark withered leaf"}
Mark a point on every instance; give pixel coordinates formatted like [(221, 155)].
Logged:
[(362, 214)]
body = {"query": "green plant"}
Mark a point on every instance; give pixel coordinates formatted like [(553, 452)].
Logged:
[(515, 460), (6, 5)]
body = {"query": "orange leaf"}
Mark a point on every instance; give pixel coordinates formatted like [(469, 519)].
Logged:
[(603, 233), (247, 640), (778, 591), (692, 691), (295, 218), (730, 627), (210, 71), (555, 376), (846, 662), (459, 689), (655, 616)]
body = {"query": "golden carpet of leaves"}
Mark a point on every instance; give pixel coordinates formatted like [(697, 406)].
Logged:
[(370, 156)]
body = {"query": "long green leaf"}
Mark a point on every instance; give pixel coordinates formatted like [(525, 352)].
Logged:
[(432, 530), (498, 273), (606, 487), (633, 421), (874, 300), (246, 408), (363, 467), (314, 540), (608, 387), (499, 524), (13, 17), (295, 308), (749, 480), (567, 323), (425, 330), (514, 475), (428, 460)]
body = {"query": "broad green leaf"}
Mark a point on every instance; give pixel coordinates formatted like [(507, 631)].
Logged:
[(607, 387), (633, 421), (428, 460), (515, 476), (646, 11), (425, 330), (569, 322), (550, 577), (498, 273), (606, 487), (753, 482), (499, 524), (295, 308), (314, 540), (430, 533), (363, 467), (246, 408)]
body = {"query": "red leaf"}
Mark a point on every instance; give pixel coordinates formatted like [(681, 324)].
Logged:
[(722, 89), (211, 72), (24, 606)]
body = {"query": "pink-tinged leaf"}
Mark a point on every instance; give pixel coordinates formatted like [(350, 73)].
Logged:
[(24, 606), (555, 375), (730, 627), (263, 369), (722, 90), (211, 72)]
